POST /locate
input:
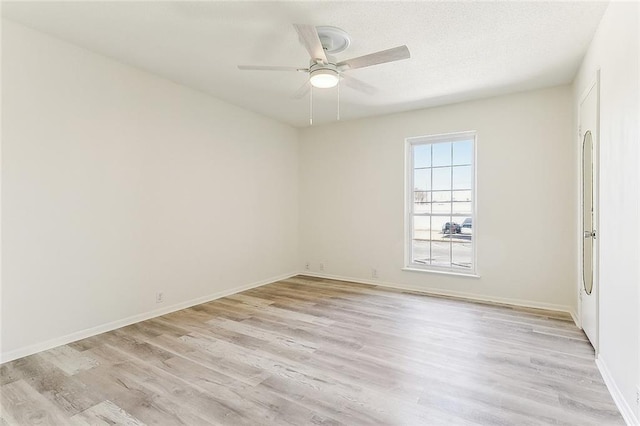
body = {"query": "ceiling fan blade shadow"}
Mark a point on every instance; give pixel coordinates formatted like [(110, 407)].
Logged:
[(358, 85), (384, 56), (308, 36), (302, 91), (270, 68)]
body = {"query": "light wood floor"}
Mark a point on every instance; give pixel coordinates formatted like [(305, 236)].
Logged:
[(311, 351)]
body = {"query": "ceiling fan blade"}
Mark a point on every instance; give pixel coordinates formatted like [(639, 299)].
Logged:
[(389, 55), (302, 91), (358, 85), (269, 68), (310, 40)]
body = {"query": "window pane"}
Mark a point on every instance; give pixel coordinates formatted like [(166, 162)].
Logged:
[(467, 226), (442, 178), (441, 253), (461, 208), (420, 243), (422, 179), (421, 196), (421, 156), (421, 202), (462, 254), (441, 196), (461, 177), (421, 252), (441, 208), (463, 152), (461, 195), (422, 208), (421, 227), (440, 226), (442, 154)]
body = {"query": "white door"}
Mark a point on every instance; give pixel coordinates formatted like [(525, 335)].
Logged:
[(589, 287)]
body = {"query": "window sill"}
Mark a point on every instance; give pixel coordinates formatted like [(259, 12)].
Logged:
[(435, 271)]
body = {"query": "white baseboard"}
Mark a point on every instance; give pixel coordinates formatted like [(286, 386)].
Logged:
[(449, 293), (626, 411), (575, 318), (83, 334)]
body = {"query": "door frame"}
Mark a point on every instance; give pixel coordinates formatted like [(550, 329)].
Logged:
[(593, 85)]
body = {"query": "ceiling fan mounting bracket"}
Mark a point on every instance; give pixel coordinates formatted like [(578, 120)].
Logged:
[(333, 39)]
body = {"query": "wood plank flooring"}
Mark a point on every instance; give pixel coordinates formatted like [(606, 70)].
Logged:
[(308, 351)]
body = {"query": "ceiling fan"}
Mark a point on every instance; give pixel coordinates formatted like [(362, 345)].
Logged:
[(324, 71)]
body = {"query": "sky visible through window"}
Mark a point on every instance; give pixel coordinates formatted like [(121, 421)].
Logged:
[(443, 156)]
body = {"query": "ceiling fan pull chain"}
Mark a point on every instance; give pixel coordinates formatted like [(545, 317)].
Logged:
[(311, 106), (338, 99)]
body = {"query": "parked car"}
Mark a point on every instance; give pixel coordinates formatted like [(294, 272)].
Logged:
[(451, 228), (466, 226)]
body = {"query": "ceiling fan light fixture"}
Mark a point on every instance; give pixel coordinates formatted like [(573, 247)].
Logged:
[(324, 78)]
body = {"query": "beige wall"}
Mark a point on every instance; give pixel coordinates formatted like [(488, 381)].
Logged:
[(117, 184), (615, 51), (352, 211)]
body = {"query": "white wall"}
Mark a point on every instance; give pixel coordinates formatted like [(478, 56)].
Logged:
[(615, 51), (352, 211), (117, 184)]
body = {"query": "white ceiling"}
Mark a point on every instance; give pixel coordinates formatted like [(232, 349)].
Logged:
[(459, 50)]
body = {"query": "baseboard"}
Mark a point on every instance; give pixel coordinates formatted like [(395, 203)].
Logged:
[(83, 334), (448, 293), (63, 340), (574, 316), (626, 411)]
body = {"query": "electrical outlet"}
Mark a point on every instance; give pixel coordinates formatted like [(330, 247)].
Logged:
[(374, 273), (321, 266), (159, 297), (307, 266)]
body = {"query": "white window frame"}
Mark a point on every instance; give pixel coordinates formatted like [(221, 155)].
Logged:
[(409, 204)]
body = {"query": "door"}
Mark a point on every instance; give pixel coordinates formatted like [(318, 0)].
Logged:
[(589, 140)]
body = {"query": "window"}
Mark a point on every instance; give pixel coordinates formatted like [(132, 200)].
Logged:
[(440, 206)]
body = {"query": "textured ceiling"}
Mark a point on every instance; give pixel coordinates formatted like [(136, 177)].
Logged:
[(459, 50)]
